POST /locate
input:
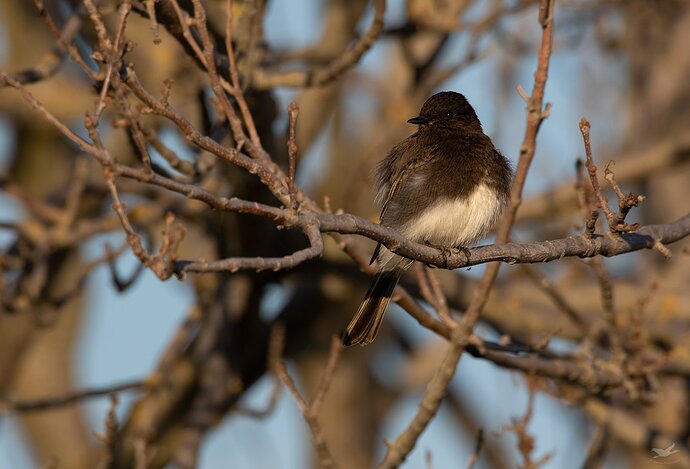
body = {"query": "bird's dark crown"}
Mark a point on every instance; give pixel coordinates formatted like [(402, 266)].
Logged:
[(447, 109)]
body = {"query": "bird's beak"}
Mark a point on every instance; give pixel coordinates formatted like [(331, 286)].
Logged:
[(419, 120)]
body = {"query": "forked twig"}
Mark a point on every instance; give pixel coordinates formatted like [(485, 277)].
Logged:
[(616, 221), (310, 411)]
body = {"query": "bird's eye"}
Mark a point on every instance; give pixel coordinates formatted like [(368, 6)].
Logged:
[(450, 115)]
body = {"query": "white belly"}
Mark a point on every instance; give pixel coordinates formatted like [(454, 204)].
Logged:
[(460, 222)]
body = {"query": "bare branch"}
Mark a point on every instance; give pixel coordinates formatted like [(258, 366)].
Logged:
[(512, 253), (616, 221), (293, 111), (525, 439), (323, 75), (558, 299), (625, 202), (310, 411), (598, 447), (52, 402), (647, 237), (474, 457), (51, 62)]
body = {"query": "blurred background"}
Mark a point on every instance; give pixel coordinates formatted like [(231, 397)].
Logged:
[(622, 64)]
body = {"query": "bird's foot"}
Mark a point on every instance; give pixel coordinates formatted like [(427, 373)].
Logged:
[(445, 253), (465, 251)]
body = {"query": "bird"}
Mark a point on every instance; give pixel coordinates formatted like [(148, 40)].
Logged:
[(663, 453), (445, 186)]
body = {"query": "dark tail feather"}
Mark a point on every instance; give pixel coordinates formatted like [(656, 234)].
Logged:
[(365, 325)]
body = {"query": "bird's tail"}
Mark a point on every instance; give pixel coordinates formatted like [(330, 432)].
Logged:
[(365, 325)]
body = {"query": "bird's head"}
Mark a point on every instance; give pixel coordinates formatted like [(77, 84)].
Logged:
[(447, 110)]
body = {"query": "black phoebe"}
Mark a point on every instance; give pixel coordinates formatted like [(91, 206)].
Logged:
[(445, 186)]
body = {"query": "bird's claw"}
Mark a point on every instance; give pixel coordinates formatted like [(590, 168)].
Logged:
[(445, 253), (465, 251)]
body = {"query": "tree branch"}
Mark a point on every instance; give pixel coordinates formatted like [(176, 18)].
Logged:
[(58, 401)]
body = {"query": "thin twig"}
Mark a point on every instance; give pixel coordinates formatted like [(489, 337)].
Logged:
[(177, 163), (64, 39), (220, 86), (74, 195), (59, 401), (236, 89), (607, 300), (108, 258), (479, 444), (293, 111), (544, 284), (37, 207), (323, 75), (151, 10), (310, 411), (431, 291), (598, 447), (51, 62), (109, 437), (584, 199), (592, 168), (276, 344), (525, 439), (403, 298), (625, 201)]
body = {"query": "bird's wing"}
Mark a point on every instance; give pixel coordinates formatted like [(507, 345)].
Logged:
[(673, 445), (392, 190), (398, 178)]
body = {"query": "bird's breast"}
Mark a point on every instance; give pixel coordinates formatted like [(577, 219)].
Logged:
[(453, 222)]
